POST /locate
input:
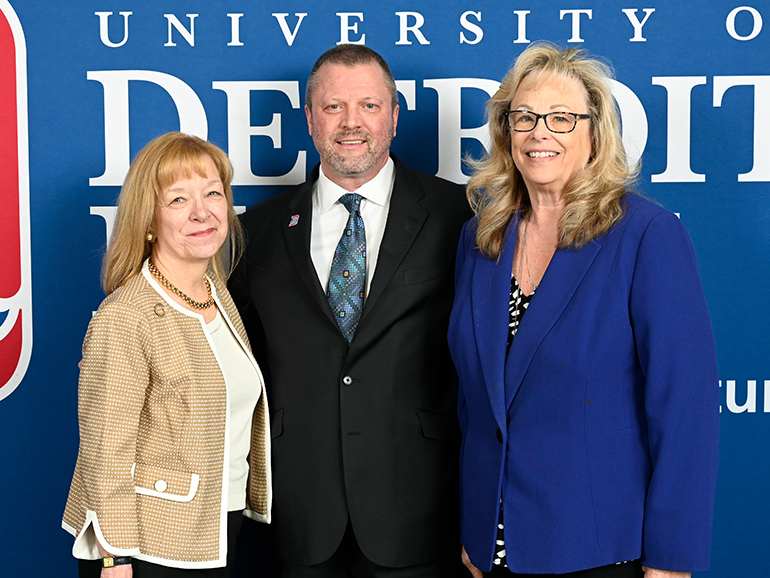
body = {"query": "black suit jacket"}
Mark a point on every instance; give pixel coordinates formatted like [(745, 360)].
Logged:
[(366, 431)]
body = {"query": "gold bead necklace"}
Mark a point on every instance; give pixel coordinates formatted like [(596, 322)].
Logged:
[(167, 284)]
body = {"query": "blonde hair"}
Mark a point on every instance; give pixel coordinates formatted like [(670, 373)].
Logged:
[(162, 162), (496, 191)]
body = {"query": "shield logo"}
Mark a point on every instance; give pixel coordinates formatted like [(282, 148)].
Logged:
[(15, 265)]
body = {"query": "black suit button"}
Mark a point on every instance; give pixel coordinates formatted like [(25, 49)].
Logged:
[(347, 380), (499, 435)]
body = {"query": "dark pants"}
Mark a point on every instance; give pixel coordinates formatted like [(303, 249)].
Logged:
[(142, 569), (349, 562), (632, 569)]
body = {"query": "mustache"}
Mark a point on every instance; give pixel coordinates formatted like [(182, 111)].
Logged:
[(353, 134)]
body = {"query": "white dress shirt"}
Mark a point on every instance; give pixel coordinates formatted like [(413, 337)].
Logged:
[(330, 217)]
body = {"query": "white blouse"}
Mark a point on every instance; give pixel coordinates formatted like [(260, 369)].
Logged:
[(243, 391)]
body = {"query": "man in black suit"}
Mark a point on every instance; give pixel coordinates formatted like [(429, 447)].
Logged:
[(364, 429)]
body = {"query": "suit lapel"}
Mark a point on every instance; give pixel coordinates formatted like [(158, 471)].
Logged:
[(406, 217), (566, 271), (491, 291), (296, 232)]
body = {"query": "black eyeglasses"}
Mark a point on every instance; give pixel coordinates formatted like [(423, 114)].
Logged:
[(558, 122)]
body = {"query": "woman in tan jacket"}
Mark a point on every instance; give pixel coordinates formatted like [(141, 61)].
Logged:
[(174, 439)]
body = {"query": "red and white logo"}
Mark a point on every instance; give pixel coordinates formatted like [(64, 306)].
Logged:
[(15, 265)]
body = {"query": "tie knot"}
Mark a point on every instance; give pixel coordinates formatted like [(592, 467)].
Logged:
[(351, 201)]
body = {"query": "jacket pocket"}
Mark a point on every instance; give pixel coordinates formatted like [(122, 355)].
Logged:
[(437, 426), (166, 484)]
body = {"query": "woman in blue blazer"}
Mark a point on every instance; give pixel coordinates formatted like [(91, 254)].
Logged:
[(590, 424)]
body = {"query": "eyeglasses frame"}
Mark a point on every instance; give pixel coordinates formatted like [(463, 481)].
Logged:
[(577, 116)]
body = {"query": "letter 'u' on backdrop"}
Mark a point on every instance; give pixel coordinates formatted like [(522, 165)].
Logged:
[(85, 84)]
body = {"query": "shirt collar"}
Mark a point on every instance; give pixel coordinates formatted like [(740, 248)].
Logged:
[(376, 190)]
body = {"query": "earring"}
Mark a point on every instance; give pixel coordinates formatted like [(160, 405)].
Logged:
[(151, 237)]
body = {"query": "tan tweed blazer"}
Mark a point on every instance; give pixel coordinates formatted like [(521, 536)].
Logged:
[(151, 476)]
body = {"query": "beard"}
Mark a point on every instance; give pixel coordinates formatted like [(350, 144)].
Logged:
[(354, 165)]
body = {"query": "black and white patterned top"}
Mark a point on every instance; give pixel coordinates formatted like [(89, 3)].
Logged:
[(517, 307)]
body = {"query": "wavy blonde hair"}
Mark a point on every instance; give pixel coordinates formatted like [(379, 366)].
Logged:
[(496, 191), (165, 160)]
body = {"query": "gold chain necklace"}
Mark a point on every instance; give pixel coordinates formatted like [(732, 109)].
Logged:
[(167, 284), (526, 258)]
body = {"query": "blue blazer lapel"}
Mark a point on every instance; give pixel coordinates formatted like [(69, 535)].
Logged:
[(491, 291), (566, 271)]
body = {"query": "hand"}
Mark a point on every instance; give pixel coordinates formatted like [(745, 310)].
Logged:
[(475, 572), (122, 571), (653, 573)]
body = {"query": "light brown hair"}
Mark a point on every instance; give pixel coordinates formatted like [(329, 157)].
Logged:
[(162, 162), (350, 55)]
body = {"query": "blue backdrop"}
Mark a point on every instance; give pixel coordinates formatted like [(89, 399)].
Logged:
[(86, 83)]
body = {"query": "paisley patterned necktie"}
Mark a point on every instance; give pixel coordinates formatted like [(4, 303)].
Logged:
[(347, 280)]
